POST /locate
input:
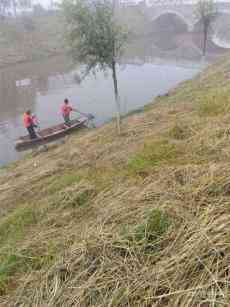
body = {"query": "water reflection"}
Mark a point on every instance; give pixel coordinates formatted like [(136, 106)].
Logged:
[(12, 98), (19, 85)]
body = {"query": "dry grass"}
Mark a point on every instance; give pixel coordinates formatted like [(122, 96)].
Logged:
[(136, 220)]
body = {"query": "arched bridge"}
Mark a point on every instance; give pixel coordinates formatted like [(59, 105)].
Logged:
[(184, 12)]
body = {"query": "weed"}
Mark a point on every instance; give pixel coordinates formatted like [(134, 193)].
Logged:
[(146, 236), (8, 267), (14, 260), (46, 256), (103, 177), (213, 103), (14, 226), (218, 187), (75, 196), (179, 131), (11, 263), (154, 154), (59, 183), (83, 197), (153, 229)]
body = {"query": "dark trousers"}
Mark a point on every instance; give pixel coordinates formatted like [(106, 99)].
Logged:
[(32, 133), (67, 120)]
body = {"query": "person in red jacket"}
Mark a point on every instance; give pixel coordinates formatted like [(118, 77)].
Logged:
[(66, 109), (29, 124)]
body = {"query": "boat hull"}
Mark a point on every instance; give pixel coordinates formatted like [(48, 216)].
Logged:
[(49, 134)]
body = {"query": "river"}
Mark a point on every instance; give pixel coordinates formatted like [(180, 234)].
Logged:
[(42, 86)]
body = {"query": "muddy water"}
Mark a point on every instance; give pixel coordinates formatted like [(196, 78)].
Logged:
[(42, 86)]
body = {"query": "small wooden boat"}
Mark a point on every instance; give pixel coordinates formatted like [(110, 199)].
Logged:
[(50, 134)]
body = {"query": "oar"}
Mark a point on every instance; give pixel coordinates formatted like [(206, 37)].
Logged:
[(87, 115)]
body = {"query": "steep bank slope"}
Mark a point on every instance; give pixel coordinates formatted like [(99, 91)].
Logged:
[(136, 220)]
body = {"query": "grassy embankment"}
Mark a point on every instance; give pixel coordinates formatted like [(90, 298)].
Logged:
[(136, 220)]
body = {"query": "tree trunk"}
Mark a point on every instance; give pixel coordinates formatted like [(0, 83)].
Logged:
[(205, 39), (117, 99)]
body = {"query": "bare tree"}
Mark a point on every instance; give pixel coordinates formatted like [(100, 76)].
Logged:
[(206, 12)]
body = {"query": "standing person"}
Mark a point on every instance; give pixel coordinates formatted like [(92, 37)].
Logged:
[(29, 124), (35, 121), (66, 109)]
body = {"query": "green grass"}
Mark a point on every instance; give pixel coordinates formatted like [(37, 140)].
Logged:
[(58, 183), (179, 131), (154, 154), (148, 234), (103, 177), (9, 265), (82, 198), (73, 199), (14, 261), (214, 102), (155, 226), (13, 227)]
